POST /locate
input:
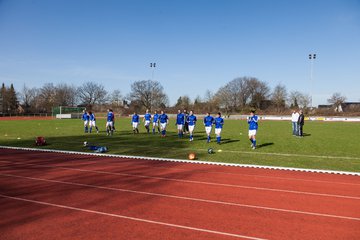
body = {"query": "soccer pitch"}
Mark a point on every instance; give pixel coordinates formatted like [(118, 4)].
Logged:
[(326, 145)]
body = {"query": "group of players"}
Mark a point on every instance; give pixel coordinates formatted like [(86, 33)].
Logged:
[(185, 123)]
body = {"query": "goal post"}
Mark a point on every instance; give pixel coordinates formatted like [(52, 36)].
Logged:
[(67, 112)]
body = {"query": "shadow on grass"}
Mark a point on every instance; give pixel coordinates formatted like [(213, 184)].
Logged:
[(264, 145), (122, 143), (228, 140)]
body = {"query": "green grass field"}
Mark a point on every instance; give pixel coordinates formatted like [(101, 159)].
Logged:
[(326, 145)]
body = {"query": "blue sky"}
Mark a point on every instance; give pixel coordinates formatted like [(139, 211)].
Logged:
[(198, 45)]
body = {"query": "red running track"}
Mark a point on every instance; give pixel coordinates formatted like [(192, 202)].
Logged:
[(67, 196)]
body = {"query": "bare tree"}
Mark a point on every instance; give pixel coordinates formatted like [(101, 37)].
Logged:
[(92, 93), (46, 97), (336, 100), (304, 101), (116, 100), (183, 102), (258, 90), (28, 97), (65, 95), (279, 96), (149, 94)]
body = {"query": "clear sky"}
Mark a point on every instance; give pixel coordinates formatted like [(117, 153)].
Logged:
[(197, 44)]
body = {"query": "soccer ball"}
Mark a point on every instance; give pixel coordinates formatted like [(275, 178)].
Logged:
[(210, 151), (192, 156), (85, 143)]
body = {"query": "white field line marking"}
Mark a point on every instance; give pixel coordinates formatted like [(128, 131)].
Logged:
[(185, 198), (186, 161), (131, 218), (212, 172), (198, 182)]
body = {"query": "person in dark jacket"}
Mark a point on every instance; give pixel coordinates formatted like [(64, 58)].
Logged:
[(301, 123)]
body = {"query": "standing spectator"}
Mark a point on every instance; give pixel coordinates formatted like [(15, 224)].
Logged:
[(301, 123), (294, 121)]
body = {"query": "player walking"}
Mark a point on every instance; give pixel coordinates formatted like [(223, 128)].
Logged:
[(219, 122), (164, 120), (208, 122), (147, 120), (93, 122), (180, 120), (86, 118), (191, 120), (253, 126), (156, 122), (135, 122), (109, 123)]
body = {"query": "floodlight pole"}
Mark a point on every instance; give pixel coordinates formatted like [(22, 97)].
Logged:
[(152, 65), (312, 57)]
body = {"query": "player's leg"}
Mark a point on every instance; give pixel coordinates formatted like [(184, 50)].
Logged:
[(218, 135), (86, 126), (191, 130), (208, 133), (163, 129)]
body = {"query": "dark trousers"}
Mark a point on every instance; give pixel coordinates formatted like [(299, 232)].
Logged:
[(301, 130)]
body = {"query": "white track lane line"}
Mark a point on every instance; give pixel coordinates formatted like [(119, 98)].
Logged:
[(197, 182), (185, 198), (131, 218), (230, 173)]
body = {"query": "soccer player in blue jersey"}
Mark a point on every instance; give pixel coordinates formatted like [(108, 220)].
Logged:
[(219, 122), (208, 122), (156, 122), (93, 122), (135, 122), (164, 120), (191, 120), (147, 120), (109, 122), (86, 119), (253, 126), (180, 120)]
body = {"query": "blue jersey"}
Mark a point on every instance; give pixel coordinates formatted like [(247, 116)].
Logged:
[(135, 118), (191, 120), (219, 122), (163, 118), (253, 122), (85, 117), (147, 117), (92, 117), (110, 117), (156, 118), (208, 121), (180, 119)]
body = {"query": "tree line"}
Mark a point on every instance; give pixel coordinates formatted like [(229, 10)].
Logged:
[(237, 96)]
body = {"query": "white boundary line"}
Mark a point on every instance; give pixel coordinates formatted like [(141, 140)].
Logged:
[(192, 181), (130, 218), (186, 198), (187, 161)]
